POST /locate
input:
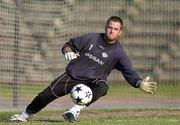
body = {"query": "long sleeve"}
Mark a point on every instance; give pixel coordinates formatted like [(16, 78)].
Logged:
[(125, 66)]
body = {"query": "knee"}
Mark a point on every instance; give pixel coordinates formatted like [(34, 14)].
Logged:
[(103, 88), (100, 89), (46, 94)]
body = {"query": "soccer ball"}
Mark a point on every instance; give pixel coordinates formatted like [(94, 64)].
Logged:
[(81, 94)]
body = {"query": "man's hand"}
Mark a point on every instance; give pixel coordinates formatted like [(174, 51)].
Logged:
[(149, 87), (70, 55)]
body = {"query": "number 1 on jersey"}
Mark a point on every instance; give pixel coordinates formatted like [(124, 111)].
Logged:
[(90, 47)]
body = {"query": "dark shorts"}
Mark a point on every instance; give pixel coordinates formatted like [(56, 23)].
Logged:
[(63, 85)]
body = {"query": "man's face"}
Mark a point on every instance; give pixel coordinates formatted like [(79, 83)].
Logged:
[(113, 31)]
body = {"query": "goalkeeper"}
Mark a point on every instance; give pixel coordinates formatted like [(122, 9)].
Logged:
[(92, 57)]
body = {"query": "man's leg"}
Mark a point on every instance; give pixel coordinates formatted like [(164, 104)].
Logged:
[(39, 102), (58, 88), (73, 113), (55, 90), (99, 89), (20, 117)]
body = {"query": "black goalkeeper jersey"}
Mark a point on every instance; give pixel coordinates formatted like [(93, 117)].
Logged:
[(98, 58)]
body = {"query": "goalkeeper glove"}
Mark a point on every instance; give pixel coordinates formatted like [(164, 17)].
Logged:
[(70, 55), (147, 86)]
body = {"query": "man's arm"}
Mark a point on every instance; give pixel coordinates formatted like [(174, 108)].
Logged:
[(68, 53), (66, 50), (125, 66), (72, 48)]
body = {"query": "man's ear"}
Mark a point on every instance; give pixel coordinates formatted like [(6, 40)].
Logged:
[(120, 32)]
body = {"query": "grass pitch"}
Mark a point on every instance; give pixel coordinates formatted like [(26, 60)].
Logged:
[(102, 117), (112, 116)]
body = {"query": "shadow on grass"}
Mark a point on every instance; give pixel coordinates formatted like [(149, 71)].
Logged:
[(48, 120)]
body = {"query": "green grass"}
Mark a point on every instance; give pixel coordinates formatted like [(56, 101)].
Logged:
[(103, 117), (120, 90), (24, 90), (100, 116), (164, 90)]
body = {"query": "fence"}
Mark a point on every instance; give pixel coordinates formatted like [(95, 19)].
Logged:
[(32, 33)]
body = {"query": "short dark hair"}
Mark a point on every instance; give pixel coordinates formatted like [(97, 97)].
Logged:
[(116, 19)]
